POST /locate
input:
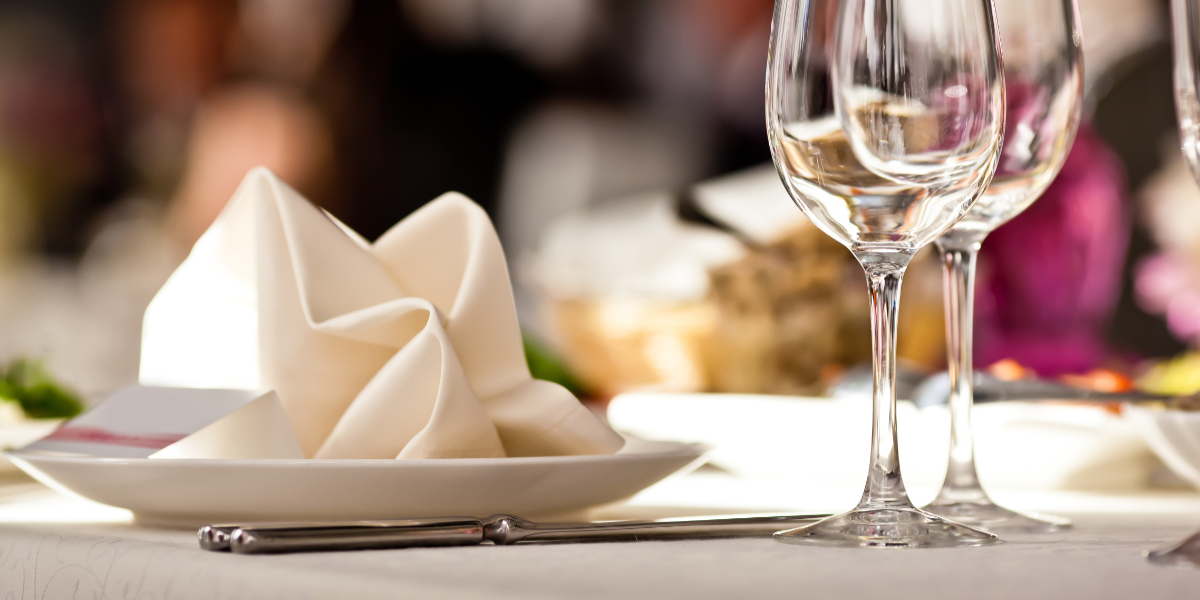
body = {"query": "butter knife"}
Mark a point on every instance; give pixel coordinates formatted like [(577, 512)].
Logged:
[(262, 538)]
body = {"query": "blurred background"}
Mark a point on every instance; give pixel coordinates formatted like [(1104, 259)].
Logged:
[(620, 147)]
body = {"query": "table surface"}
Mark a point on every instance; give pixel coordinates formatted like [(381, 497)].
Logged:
[(53, 547)]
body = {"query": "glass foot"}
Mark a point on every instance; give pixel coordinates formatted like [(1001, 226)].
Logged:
[(1184, 553), (997, 519), (886, 528)]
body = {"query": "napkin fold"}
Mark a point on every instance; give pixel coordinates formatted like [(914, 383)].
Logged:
[(405, 348)]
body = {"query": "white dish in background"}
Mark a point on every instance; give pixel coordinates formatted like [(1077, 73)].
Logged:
[(21, 433), (1174, 435), (192, 492), (1019, 445)]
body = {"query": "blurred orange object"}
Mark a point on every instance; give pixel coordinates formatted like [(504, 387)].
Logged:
[(1009, 370), (1100, 380)]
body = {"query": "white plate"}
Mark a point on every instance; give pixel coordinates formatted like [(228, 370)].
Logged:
[(1174, 435), (1018, 445), (191, 492)]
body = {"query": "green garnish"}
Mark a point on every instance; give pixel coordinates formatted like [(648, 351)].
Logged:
[(28, 383), (543, 364)]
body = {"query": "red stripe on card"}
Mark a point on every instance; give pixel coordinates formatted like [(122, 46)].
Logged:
[(95, 435)]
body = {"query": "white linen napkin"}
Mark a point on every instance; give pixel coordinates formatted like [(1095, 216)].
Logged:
[(405, 348)]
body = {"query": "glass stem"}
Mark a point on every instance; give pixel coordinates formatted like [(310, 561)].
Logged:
[(959, 253), (885, 487)]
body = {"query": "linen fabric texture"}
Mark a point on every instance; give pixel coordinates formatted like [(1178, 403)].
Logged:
[(405, 348)]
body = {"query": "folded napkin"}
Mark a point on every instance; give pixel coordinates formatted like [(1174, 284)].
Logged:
[(405, 348)]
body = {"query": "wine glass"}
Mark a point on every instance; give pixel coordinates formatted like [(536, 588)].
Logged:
[(1043, 78), (1185, 36), (885, 120), (1185, 21)]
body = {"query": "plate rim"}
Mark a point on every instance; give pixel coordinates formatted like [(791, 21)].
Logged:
[(694, 450)]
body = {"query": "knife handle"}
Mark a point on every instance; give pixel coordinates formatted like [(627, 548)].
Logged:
[(263, 538), (219, 537), (262, 541)]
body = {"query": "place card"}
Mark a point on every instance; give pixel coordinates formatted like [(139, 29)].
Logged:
[(171, 422)]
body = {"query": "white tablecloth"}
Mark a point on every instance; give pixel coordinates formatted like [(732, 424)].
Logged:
[(56, 547)]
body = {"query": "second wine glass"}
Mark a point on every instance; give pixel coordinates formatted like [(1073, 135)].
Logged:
[(1185, 29), (885, 118), (1043, 74)]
